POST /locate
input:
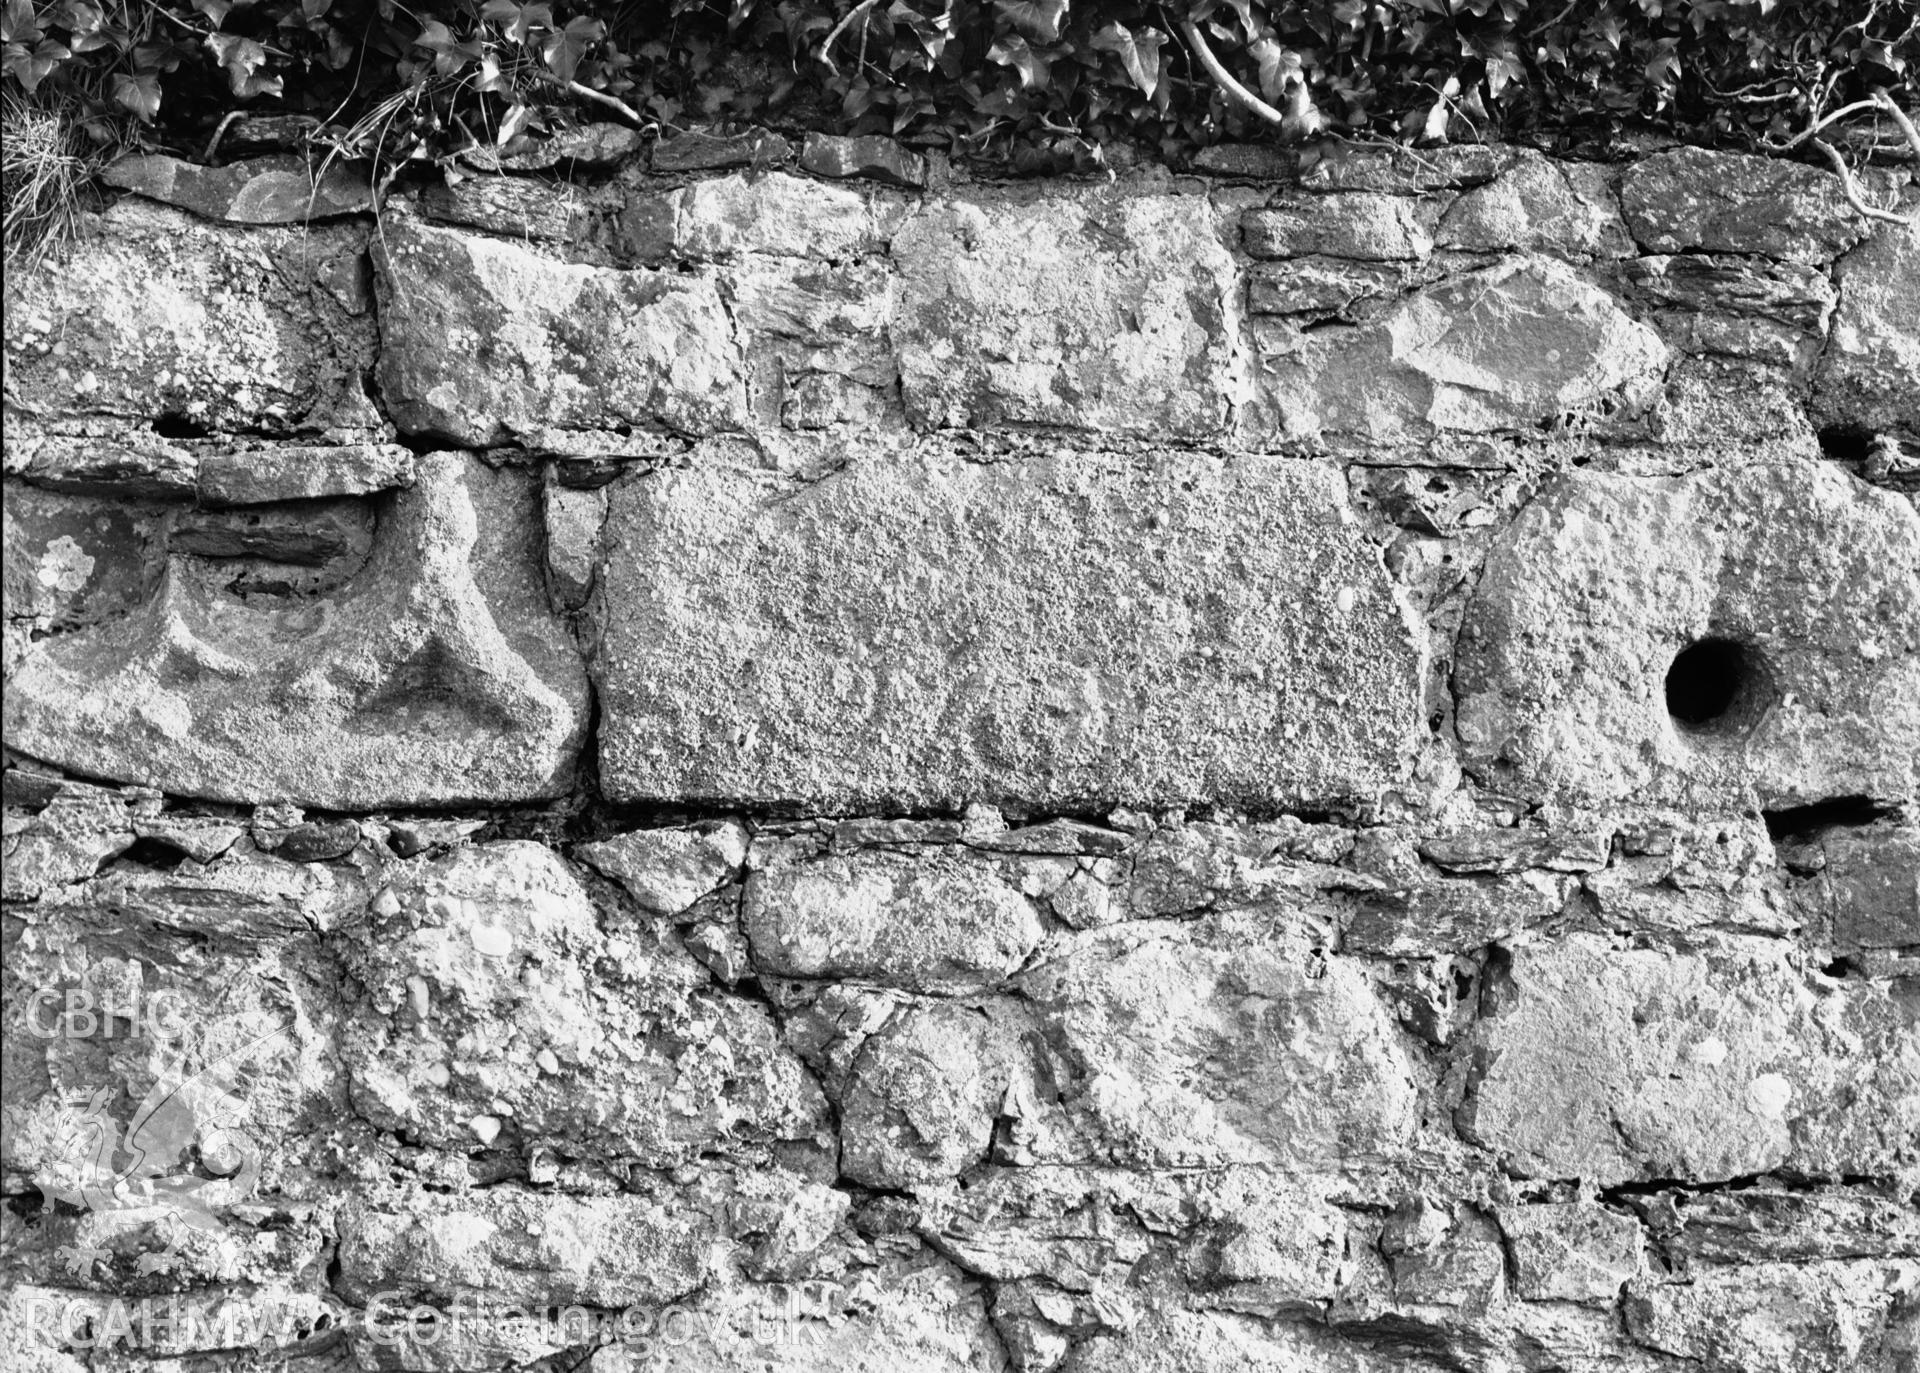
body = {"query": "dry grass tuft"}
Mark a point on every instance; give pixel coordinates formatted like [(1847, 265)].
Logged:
[(43, 174)]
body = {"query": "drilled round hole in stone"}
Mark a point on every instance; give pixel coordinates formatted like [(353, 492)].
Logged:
[(1709, 683)]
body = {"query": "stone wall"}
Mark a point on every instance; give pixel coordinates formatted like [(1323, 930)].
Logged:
[(908, 772)]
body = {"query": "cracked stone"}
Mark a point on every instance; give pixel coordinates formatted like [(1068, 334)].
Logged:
[(434, 674), (868, 155), (1825, 1317), (1571, 1251), (1537, 205), (775, 214)]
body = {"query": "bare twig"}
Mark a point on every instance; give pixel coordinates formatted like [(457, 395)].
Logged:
[(1851, 189), (1900, 117), (1814, 129), (859, 11), (612, 102), (1223, 78)]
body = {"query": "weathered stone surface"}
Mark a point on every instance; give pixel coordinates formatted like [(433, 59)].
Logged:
[(501, 1014), (1407, 171), (699, 150), (803, 325), (777, 214), (484, 340), (153, 314), (1571, 1251), (74, 560), (574, 519), (1198, 1049), (514, 1248), (1253, 161), (868, 155), (1057, 632), (921, 1099), (1589, 596), (1869, 887), (270, 190), (1772, 311), (943, 923), (514, 206), (668, 870), (290, 472), (1364, 226), (1322, 285), (1702, 1066), (1541, 206), (66, 842), (1869, 377), (1691, 199), (139, 464), (434, 673), (310, 533), (1111, 314), (1774, 1224), (1508, 348), (1831, 1317)]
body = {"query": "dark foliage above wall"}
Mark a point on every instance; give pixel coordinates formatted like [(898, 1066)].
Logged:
[(1052, 84)]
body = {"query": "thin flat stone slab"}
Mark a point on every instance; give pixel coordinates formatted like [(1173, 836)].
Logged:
[(922, 632), (1111, 315), (484, 340), (1808, 576), (268, 190), (431, 675), (154, 315)]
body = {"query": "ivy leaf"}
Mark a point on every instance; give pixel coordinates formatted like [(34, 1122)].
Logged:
[(563, 50), (1138, 53), (1038, 21), (138, 94), (19, 24), (1014, 51), (243, 58), (933, 31)]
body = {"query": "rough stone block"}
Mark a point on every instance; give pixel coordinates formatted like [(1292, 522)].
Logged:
[(1617, 1065), (1363, 226), (921, 1098), (484, 340), (1203, 1051), (255, 476), (510, 1248), (868, 155), (1829, 1317), (942, 923), (667, 870), (503, 1016), (1869, 377), (1774, 312), (433, 673), (1692, 198), (1112, 314), (701, 150), (775, 214), (1511, 347), (927, 632), (1804, 584), (153, 315), (1541, 206), (1571, 1251)]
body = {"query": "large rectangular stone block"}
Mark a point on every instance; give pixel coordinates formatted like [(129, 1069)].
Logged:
[(1054, 633)]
